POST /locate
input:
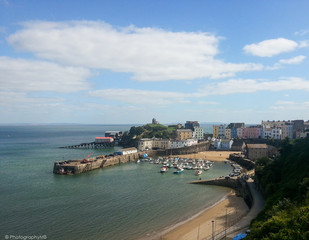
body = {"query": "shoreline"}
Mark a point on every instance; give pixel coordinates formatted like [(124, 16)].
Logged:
[(167, 230), (230, 207)]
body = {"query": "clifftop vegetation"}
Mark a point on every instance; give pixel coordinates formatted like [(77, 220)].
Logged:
[(131, 138), (285, 182)]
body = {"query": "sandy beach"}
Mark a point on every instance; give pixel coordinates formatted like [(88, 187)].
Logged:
[(209, 155), (229, 210)]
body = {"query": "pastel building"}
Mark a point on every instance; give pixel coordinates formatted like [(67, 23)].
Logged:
[(218, 131), (252, 132), (232, 133), (278, 129), (183, 134), (228, 133), (161, 144)]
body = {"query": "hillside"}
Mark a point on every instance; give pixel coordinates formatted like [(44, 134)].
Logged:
[(131, 138), (285, 182)]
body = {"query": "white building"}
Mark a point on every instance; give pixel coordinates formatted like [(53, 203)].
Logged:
[(240, 132), (223, 144), (278, 129), (198, 133), (126, 151), (183, 143), (145, 144)]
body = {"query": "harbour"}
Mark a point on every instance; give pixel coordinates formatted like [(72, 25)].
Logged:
[(124, 201)]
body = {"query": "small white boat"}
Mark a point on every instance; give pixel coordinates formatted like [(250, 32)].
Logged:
[(198, 172), (179, 171), (164, 169), (206, 168)]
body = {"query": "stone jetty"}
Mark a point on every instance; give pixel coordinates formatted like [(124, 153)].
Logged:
[(70, 167)]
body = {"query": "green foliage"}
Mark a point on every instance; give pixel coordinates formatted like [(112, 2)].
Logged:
[(131, 138), (287, 222), (285, 182)]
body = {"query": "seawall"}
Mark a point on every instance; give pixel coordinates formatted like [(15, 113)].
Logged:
[(239, 184), (239, 159), (200, 147), (71, 167)]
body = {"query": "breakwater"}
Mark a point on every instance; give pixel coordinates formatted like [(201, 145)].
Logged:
[(239, 184), (71, 167), (92, 145)]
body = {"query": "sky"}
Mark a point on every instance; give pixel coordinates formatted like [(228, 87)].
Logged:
[(123, 62)]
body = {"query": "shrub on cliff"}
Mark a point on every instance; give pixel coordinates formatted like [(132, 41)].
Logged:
[(285, 182), (131, 138)]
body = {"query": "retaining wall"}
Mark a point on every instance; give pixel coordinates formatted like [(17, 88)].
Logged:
[(200, 147)]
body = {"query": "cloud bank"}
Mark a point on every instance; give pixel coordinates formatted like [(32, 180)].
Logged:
[(31, 75), (150, 54)]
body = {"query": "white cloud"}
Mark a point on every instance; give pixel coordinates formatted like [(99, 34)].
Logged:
[(207, 103), (271, 47), (29, 75), (141, 97), (295, 60), (151, 54), (8, 98), (290, 106), (303, 44), (302, 33), (234, 86)]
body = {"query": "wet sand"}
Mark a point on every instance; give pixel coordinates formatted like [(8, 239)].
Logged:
[(209, 155)]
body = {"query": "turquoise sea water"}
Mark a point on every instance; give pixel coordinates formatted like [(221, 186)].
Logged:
[(121, 202)]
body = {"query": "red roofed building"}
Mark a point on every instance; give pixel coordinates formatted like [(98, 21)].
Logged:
[(104, 140)]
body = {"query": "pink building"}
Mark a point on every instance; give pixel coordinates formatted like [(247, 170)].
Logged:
[(252, 132)]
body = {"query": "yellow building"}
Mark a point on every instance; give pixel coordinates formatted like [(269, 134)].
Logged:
[(215, 131), (161, 144), (228, 133), (183, 134), (218, 131)]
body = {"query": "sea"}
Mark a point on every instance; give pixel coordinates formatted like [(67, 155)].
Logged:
[(127, 201)]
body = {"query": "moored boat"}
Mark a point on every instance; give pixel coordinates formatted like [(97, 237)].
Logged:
[(198, 172), (179, 171), (164, 169)]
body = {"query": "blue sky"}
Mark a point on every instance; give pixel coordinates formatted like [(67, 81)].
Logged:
[(107, 62)]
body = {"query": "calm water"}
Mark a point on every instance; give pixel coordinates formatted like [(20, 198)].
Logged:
[(121, 202)]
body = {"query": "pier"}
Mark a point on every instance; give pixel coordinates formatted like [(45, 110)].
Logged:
[(92, 145), (71, 167)]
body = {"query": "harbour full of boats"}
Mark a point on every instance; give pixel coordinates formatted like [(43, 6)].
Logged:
[(180, 164)]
